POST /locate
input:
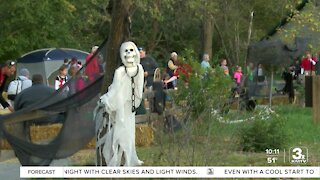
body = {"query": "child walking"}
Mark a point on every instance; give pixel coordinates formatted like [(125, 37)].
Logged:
[(238, 76)]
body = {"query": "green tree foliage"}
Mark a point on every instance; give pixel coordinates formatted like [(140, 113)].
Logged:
[(173, 25), (90, 23), (29, 25), (303, 23), (164, 25), (233, 23), (161, 26)]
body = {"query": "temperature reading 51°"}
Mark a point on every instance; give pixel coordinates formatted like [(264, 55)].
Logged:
[(272, 160), (272, 155)]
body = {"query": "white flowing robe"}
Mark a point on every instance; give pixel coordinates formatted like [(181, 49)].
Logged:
[(120, 139)]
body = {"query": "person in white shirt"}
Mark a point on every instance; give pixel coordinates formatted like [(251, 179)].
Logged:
[(21, 83), (62, 77)]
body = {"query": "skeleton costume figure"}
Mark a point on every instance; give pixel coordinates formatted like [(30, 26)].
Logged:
[(117, 110)]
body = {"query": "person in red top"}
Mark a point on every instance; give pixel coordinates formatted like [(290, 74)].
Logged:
[(6, 70), (307, 64), (92, 69), (184, 69)]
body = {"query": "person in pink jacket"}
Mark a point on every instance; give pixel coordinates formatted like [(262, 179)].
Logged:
[(238, 75)]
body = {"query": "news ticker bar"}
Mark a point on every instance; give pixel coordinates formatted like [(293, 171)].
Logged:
[(171, 172)]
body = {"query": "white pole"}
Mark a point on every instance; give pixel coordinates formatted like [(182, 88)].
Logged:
[(249, 36), (271, 85)]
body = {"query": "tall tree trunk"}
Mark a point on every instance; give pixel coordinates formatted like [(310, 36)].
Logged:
[(155, 35), (237, 44), (119, 32), (249, 37), (207, 29), (223, 43)]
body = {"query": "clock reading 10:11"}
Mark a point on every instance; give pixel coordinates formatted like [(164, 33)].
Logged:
[(272, 151)]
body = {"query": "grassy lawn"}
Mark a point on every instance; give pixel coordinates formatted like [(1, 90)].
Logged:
[(302, 130), (207, 142)]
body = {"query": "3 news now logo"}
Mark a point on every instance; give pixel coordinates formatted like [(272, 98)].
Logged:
[(210, 171), (298, 155)]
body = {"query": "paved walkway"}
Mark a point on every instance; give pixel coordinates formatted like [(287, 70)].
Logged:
[(10, 165), (10, 169)]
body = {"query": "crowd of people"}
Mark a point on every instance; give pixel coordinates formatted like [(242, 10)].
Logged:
[(297, 71), (20, 96), (26, 90), (19, 89), (252, 80)]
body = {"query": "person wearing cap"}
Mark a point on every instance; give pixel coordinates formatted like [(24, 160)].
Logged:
[(21, 83), (6, 70), (92, 69), (149, 65)]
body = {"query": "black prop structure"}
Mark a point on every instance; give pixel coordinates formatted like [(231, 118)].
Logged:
[(74, 110)]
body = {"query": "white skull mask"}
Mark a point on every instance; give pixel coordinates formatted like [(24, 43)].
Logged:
[(129, 54)]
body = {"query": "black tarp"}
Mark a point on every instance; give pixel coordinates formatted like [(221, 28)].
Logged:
[(275, 52), (76, 109)]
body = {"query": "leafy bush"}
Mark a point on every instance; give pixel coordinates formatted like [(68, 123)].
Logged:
[(207, 90), (262, 134)]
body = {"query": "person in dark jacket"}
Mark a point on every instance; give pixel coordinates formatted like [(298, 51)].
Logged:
[(34, 94), (28, 97), (6, 70), (37, 92), (149, 65), (288, 88), (297, 68)]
